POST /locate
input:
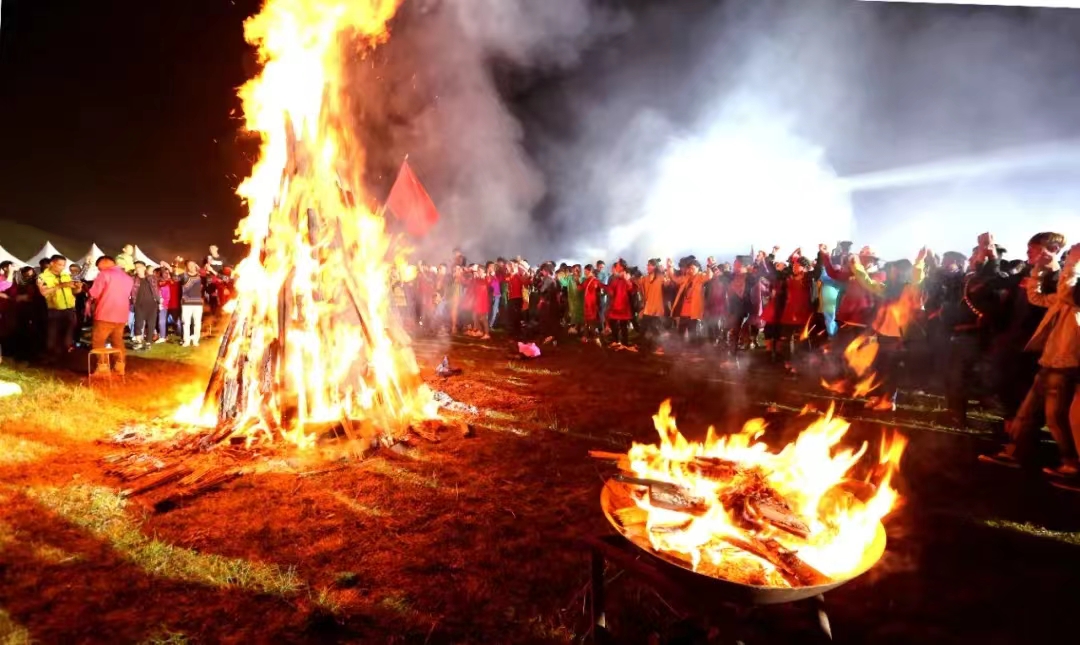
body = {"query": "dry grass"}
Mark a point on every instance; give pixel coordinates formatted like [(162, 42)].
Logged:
[(470, 540), (515, 366), (166, 637), (102, 513), (17, 450), (1068, 537)]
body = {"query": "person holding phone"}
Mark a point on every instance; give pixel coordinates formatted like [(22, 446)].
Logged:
[(59, 289)]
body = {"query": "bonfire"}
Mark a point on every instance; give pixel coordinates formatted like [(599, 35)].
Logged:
[(731, 508), (312, 346)]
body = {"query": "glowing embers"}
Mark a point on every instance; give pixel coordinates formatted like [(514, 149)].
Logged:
[(730, 508)]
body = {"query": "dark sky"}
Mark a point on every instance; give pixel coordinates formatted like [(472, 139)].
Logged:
[(119, 118), (115, 118)]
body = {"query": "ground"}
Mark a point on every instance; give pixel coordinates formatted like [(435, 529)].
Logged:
[(474, 539)]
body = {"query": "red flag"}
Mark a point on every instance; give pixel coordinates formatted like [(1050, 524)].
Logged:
[(410, 203)]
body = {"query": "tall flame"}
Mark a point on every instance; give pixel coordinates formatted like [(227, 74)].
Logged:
[(312, 339)]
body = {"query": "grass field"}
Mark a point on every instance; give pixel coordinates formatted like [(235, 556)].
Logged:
[(472, 540)]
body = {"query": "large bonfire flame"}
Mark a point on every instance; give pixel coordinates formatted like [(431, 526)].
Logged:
[(732, 508), (312, 341)]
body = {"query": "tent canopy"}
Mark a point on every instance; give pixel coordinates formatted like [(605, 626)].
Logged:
[(7, 257), (142, 257), (89, 269), (46, 251)]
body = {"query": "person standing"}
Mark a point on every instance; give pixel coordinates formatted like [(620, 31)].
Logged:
[(618, 289), (689, 305), (164, 279), (110, 299), (126, 259), (604, 276), (515, 299), (7, 305), (191, 305), (58, 289), (214, 263), (652, 291), (145, 302), (575, 299)]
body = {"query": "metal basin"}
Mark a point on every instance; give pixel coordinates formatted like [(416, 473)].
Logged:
[(614, 497)]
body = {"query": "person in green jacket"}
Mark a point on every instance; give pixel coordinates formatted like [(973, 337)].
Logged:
[(575, 297)]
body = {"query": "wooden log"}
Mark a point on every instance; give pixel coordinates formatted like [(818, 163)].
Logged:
[(668, 496), (781, 517), (607, 456), (213, 386), (160, 478), (788, 563), (209, 480)]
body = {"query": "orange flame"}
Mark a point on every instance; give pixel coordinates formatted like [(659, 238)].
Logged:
[(312, 339), (808, 473), (859, 355)]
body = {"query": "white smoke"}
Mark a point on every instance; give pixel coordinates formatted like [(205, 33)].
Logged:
[(712, 127), (440, 104)]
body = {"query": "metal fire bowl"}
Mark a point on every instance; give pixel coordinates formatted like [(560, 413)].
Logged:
[(616, 495)]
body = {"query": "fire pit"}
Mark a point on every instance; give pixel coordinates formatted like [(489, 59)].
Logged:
[(730, 520), (617, 496)]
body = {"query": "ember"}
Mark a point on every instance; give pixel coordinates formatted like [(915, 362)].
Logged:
[(730, 508), (312, 343)]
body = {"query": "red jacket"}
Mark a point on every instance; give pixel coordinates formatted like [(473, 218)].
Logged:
[(591, 288), (797, 307), (481, 295), (517, 284), (619, 290), (857, 305)]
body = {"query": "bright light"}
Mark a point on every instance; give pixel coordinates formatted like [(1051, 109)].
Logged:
[(1052, 4), (742, 183)]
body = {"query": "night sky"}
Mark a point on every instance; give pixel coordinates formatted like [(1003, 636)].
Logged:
[(120, 122), (115, 119)]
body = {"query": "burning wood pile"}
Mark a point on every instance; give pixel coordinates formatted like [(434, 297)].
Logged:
[(312, 347), (730, 508)]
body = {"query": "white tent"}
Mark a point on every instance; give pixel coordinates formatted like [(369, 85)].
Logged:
[(139, 256), (7, 257), (46, 251), (89, 269)]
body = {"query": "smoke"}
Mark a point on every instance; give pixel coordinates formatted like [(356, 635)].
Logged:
[(565, 128), (433, 93)]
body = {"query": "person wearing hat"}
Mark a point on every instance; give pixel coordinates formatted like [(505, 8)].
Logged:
[(857, 307)]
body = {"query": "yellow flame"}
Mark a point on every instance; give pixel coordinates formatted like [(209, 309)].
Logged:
[(313, 340), (806, 473)]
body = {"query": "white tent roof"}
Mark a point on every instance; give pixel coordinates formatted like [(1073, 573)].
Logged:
[(46, 251), (7, 257), (142, 257), (89, 269)]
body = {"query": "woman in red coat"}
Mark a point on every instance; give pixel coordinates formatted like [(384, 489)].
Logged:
[(480, 297), (619, 289), (591, 289)]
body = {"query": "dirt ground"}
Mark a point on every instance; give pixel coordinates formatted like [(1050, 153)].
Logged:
[(474, 540)]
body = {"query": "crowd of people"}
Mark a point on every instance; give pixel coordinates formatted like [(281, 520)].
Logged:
[(1005, 331), (982, 326), (49, 310)]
